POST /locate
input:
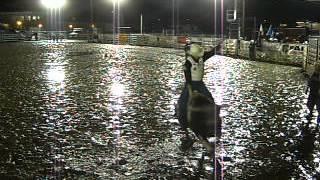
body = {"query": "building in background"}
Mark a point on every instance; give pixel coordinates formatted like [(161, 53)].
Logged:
[(24, 21), (313, 27)]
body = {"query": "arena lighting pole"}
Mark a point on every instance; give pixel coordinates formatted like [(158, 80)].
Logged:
[(178, 18), (243, 18), (173, 18), (114, 21), (91, 14), (141, 24)]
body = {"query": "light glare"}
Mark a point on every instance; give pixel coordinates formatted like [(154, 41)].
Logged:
[(117, 89), (19, 23), (116, 1), (53, 4)]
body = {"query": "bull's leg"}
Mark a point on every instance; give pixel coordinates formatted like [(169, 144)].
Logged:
[(200, 164), (186, 141), (210, 147)]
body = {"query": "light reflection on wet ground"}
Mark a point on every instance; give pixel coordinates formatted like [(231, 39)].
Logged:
[(80, 110)]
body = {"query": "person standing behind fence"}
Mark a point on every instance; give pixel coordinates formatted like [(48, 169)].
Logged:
[(314, 93), (252, 50)]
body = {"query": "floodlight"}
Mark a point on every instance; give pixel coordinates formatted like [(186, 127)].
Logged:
[(53, 4), (116, 1)]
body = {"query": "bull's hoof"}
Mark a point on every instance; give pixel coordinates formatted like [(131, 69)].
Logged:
[(309, 117)]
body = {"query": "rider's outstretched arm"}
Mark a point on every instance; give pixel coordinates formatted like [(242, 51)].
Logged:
[(211, 52)]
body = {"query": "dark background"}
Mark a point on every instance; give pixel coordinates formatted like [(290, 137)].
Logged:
[(197, 12)]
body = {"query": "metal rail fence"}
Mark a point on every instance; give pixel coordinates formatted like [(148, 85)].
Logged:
[(313, 55)]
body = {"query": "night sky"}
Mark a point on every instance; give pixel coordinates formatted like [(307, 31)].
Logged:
[(199, 12)]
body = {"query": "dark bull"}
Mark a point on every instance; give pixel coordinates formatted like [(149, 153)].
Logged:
[(202, 116)]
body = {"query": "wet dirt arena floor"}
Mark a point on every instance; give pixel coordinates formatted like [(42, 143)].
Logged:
[(91, 111)]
